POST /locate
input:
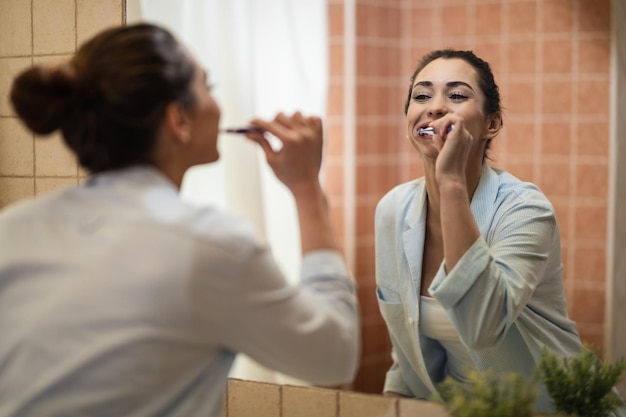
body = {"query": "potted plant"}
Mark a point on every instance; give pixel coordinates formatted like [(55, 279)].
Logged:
[(488, 395), (581, 385)]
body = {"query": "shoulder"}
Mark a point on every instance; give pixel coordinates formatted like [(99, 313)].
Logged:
[(217, 227), (401, 195), (515, 192)]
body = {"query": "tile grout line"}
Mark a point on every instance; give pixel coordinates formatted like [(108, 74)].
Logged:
[(32, 63)]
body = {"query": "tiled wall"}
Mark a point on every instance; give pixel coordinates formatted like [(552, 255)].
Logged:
[(551, 59), (258, 399), (33, 32)]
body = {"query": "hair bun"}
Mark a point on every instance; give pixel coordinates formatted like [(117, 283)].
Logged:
[(42, 97)]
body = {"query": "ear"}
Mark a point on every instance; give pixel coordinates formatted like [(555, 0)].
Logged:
[(494, 124), (178, 122)]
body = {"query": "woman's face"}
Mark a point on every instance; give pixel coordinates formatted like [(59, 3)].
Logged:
[(205, 118), (444, 87)]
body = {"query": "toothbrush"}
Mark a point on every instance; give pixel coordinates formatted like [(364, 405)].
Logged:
[(430, 131), (243, 130)]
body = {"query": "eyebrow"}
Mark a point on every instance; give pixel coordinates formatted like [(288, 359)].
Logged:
[(449, 84)]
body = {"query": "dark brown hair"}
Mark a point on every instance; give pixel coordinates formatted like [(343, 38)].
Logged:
[(486, 80), (109, 99)]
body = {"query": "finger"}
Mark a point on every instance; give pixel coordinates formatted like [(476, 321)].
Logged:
[(283, 120), (298, 119), (275, 127), (264, 143)]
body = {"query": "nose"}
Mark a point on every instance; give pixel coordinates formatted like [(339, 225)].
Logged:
[(437, 106)]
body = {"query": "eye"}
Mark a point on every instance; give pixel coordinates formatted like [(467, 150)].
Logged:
[(457, 97), (421, 97)]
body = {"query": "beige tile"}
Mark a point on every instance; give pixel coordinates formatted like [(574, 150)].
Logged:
[(253, 399), (354, 404), (54, 30), (308, 402), (46, 185), (9, 69), (16, 148), (15, 28), (53, 157), (93, 16), (407, 408), (15, 189), (51, 60)]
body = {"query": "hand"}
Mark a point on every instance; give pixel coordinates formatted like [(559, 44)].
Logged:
[(297, 163), (455, 147)]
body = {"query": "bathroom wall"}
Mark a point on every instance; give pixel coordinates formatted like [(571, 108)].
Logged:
[(33, 32), (551, 59), (258, 399)]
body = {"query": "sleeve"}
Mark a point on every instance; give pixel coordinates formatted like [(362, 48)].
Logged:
[(309, 331), (490, 286), (394, 381)]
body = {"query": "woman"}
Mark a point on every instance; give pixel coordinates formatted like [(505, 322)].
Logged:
[(468, 257), (116, 298)]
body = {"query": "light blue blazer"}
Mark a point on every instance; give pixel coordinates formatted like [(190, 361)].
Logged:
[(505, 296)]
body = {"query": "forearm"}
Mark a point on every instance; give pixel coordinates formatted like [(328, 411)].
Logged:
[(314, 217), (458, 225)]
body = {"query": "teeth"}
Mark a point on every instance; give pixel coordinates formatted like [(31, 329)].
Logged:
[(426, 131)]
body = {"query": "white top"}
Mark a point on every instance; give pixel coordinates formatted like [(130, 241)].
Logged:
[(117, 299), (435, 324)]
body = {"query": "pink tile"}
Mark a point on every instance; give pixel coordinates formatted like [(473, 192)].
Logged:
[(590, 263), (557, 57), (489, 51), (368, 303), (556, 97), (362, 20), (592, 180), (488, 19), (520, 139), (587, 305), (335, 19), (422, 22), (523, 17), (593, 97), (455, 18), (555, 179), (590, 222), (594, 15), (335, 103), (336, 58), (334, 139), (594, 56), (333, 180), (556, 138), (370, 379), (392, 22), (557, 16), (522, 170), (522, 57), (375, 339), (593, 138), (520, 99)]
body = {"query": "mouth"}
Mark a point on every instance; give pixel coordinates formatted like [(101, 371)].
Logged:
[(424, 131)]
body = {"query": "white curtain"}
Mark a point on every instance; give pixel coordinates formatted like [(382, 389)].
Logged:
[(263, 56)]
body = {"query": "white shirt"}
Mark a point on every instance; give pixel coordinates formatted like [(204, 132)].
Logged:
[(435, 324), (117, 299)]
